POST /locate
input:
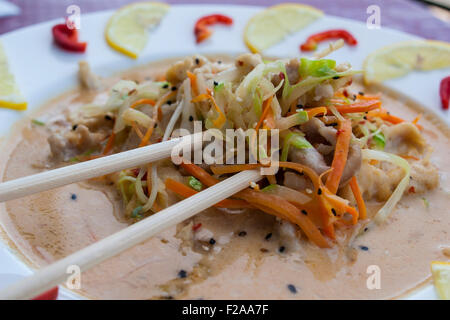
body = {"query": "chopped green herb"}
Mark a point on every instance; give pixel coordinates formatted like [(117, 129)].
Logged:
[(219, 87), (195, 184), (137, 212), (316, 68), (37, 122), (426, 203), (379, 141)]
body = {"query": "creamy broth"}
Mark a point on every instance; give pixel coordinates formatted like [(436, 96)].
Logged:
[(48, 226)]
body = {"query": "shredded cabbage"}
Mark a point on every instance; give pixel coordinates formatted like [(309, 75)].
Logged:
[(295, 139), (388, 207)]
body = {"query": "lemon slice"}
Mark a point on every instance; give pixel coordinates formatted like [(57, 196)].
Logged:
[(441, 278), (127, 29), (10, 96), (272, 25), (397, 60)]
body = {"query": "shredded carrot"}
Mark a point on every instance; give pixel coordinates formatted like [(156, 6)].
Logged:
[(232, 168), (407, 156), (364, 97), (146, 101), (221, 119), (358, 197), (200, 174), (365, 106), (193, 80), (109, 144), (315, 111), (340, 155), (266, 110), (186, 192), (282, 208), (417, 119), (142, 101), (148, 134), (382, 114), (373, 162)]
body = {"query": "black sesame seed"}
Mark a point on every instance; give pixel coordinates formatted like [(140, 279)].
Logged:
[(300, 106), (169, 102), (182, 274), (191, 118), (242, 233), (215, 83), (333, 211), (155, 125), (336, 77), (219, 62), (319, 191), (365, 118), (268, 236), (365, 229), (361, 93), (73, 196), (333, 124), (165, 86), (292, 288), (304, 212), (197, 60), (212, 241), (364, 248), (173, 88), (281, 249), (74, 127), (354, 97), (108, 117)]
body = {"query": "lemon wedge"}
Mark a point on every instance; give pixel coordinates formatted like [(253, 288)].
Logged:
[(10, 96), (127, 30), (398, 59), (441, 277), (272, 25)]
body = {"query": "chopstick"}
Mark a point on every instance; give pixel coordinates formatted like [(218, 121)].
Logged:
[(88, 257), (51, 179)]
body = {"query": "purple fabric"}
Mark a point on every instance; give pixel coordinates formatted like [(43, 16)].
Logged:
[(406, 15)]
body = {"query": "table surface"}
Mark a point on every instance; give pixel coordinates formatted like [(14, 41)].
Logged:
[(406, 15)]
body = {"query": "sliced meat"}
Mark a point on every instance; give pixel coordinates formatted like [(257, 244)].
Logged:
[(297, 182), (178, 71), (247, 61), (354, 160), (404, 139), (317, 132)]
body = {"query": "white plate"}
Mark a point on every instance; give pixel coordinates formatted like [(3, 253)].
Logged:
[(44, 71)]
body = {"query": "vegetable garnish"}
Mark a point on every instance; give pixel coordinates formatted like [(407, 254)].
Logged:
[(444, 92), (67, 38), (363, 106), (388, 207), (109, 145), (195, 184), (358, 197), (37, 122), (221, 119), (386, 116), (266, 110), (340, 155), (186, 192), (201, 30), (312, 41), (193, 78)]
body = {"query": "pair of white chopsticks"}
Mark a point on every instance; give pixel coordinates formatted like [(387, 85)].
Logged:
[(94, 254)]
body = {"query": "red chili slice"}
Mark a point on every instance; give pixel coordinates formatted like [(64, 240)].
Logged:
[(201, 29), (68, 38), (51, 294), (444, 92), (311, 43)]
